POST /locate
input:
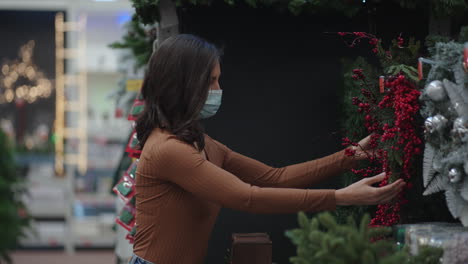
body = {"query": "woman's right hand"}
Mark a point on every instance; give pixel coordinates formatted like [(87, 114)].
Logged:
[(362, 192)]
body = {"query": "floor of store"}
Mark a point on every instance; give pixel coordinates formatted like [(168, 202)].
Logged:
[(60, 257)]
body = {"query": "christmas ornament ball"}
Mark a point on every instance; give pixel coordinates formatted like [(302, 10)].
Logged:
[(435, 90), (428, 124), (439, 121), (460, 125), (435, 123), (454, 175), (457, 106)]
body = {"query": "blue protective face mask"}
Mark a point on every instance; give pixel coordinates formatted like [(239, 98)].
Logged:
[(212, 104)]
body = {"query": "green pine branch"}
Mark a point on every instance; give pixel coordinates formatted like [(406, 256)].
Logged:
[(322, 239), (13, 214), (139, 40)]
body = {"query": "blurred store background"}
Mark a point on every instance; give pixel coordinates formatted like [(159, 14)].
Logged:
[(58, 84)]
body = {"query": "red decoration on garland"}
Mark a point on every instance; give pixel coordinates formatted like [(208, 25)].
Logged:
[(127, 217), (136, 110), (133, 146), (125, 188), (130, 238), (396, 141)]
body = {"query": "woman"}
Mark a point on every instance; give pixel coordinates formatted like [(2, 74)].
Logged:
[(184, 177)]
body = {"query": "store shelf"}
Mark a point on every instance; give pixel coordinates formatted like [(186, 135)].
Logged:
[(47, 209), (44, 234), (96, 199), (46, 195), (94, 231), (89, 231)]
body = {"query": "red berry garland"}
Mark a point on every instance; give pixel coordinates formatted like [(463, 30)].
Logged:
[(395, 139)]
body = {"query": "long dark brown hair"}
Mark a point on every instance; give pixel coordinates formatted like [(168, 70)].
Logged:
[(175, 88)]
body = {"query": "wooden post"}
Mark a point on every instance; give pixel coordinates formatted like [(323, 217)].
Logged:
[(251, 248)]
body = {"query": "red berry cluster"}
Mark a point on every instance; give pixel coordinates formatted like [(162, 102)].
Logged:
[(403, 99), (401, 41), (398, 137), (376, 44), (350, 152), (367, 172), (358, 36), (358, 75)]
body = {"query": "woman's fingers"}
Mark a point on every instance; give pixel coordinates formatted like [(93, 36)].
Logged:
[(389, 196), (387, 193), (375, 179), (362, 192), (392, 187), (364, 142)]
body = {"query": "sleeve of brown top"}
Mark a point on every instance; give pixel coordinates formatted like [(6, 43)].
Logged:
[(183, 165), (300, 175)]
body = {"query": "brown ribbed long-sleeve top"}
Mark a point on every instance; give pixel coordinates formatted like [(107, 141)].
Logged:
[(179, 193)]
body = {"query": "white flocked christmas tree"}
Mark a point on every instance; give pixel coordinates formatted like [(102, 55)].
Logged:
[(445, 100)]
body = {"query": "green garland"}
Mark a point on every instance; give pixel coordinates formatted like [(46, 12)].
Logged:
[(13, 215), (148, 10)]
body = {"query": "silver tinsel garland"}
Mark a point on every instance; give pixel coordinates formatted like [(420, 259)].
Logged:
[(445, 107)]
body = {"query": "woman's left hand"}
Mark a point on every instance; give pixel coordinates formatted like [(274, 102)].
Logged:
[(364, 149)]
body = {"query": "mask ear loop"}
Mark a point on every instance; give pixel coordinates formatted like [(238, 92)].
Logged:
[(216, 91)]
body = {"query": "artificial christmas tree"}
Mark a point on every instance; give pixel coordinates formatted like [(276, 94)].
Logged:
[(445, 110), (13, 215)]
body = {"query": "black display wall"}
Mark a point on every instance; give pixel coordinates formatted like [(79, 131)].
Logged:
[(16, 29), (281, 77)]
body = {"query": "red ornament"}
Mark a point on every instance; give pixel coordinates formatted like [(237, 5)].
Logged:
[(20, 102), (420, 69), (118, 113), (400, 41), (381, 84)]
